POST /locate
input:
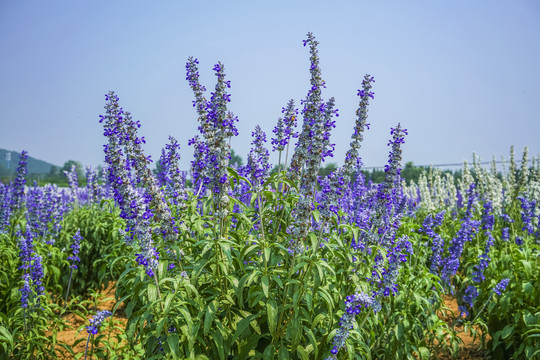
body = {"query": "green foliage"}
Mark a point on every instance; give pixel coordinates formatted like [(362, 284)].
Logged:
[(510, 319), (230, 288), (99, 226), (243, 295)]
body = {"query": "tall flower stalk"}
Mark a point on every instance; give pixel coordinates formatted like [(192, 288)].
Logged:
[(284, 131), (32, 276), (134, 204), (217, 126), (93, 328), (17, 197), (313, 146), (74, 258)]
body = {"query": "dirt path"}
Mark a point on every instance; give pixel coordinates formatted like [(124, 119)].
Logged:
[(470, 348), (76, 332)]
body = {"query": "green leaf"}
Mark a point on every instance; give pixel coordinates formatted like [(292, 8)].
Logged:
[(312, 340), (507, 331), (399, 331), (528, 289), (283, 354), (271, 308), (277, 280), (309, 300), (242, 325), (187, 316), (318, 319), (174, 343), (246, 347), (302, 352), (327, 298), (269, 352), (6, 335), (152, 292), (264, 282), (267, 253), (209, 317), (528, 268), (218, 340), (168, 301), (424, 353)]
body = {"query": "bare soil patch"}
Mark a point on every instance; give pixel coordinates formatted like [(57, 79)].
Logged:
[(76, 330), (471, 348)]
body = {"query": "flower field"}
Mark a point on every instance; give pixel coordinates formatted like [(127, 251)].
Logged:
[(240, 262)]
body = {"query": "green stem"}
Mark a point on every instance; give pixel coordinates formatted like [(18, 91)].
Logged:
[(281, 323), (86, 349), (262, 232), (483, 307), (286, 156), (69, 285), (158, 292)]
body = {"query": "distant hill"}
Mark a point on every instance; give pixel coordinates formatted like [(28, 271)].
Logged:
[(35, 166)]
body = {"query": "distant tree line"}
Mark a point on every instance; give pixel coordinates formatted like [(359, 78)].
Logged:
[(54, 176)]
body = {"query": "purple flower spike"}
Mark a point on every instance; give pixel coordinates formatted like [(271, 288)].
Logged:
[(501, 286), (17, 197), (75, 249), (97, 320), (257, 164)]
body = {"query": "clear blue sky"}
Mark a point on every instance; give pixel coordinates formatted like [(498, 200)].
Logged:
[(462, 76)]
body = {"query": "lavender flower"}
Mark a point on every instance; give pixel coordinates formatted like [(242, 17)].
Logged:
[(45, 211), (95, 322), (92, 185), (217, 125), (5, 207), (313, 145), (309, 147), (505, 234), (387, 282), (284, 129), (468, 230), (392, 169), (389, 203), (32, 269), (17, 197), (488, 219), (334, 187), (73, 181), (75, 247), (170, 175), (352, 158), (501, 286), (161, 168), (507, 218), (527, 214), (257, 164), (478, 273), (134, 205), (437, 241), (354, 304), (471, 293), (329, 123), (137, 160)]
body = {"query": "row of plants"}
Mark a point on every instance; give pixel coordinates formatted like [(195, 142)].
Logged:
[(238, 263)]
